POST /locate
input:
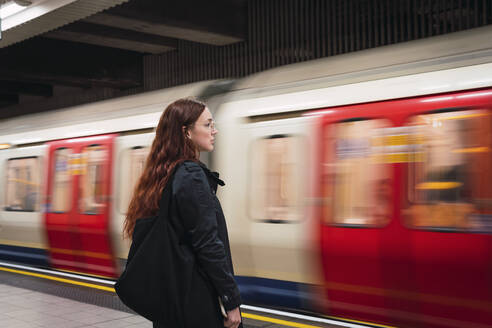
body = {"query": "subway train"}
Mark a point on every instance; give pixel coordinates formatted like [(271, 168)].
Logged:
[(357, 186)]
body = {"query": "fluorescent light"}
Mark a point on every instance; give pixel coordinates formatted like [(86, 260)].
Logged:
[(10, 9), (16, 15)]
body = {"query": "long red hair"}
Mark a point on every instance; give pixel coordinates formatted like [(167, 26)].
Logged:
[(169, 148)]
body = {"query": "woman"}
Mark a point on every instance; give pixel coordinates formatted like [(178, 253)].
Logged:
[(185, 129)]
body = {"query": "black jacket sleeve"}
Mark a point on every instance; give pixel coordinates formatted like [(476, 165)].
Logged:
[(196, 208)]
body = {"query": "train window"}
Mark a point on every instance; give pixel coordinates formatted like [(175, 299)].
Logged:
[(275, 195), (357, 176), (450, 188), (62, 190), (92, 179), (133, 162), (23, 184)]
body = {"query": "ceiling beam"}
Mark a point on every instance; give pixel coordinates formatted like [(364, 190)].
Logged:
[(114, 37), (218, 22), (33, 89)]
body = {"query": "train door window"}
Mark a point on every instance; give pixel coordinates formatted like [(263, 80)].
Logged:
[(62, 181), (92, 179), (134, 160), (357, 177), (451, 187), (23, 176), (276, 186)]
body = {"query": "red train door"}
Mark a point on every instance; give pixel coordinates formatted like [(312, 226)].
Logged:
[(356, 183), (448, 208), (78, 204)]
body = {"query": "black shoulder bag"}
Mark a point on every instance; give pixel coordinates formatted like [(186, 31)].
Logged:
[(157, 279)]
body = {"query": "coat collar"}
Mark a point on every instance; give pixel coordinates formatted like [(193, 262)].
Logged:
[(213, 175)]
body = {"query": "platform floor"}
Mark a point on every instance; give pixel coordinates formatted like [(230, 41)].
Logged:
[(29, 299), (24, 308)]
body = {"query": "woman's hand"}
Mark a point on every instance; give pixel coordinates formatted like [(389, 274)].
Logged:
[(233, 318)]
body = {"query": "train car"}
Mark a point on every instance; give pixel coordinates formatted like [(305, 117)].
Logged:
[(357, 186)]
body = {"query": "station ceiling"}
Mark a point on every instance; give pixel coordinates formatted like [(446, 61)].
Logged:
[(78, 45), (83, 51)]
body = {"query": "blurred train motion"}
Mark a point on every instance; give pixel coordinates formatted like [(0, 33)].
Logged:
[(357, 186)]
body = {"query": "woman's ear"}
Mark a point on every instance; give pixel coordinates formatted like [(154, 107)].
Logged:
[(186, 132)]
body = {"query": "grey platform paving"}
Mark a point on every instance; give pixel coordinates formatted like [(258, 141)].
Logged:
[(24, 308)]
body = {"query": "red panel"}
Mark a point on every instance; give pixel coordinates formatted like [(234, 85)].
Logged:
[(62, 238), (453, 276), (351, 256), (95, 228), (399, 275), (81, 242)]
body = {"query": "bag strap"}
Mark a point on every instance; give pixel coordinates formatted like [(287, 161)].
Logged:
[(167, 192), (166, 196), (165, 200)]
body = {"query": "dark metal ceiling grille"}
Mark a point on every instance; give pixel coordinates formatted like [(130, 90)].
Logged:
[(281, 32), (288, 31)]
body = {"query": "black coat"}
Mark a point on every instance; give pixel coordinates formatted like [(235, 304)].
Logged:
[(198, 219)]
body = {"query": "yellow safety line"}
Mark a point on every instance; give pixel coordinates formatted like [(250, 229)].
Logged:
[(277, 321), (69, 281)]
